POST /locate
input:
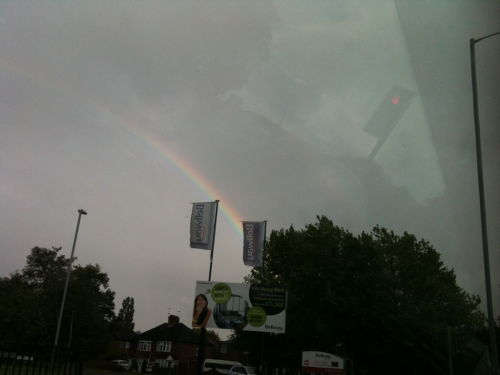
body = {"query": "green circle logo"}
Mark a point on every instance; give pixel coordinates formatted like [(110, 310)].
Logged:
[(256, 316), (221, 293)]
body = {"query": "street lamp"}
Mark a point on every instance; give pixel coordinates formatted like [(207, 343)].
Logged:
[(491, 319), (70, 266)]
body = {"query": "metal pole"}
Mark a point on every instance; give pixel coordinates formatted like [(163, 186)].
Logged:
[(213, 242), (262, 351), (263, 273), (491, 319), (56, 341), (201, 346), (450, 354)]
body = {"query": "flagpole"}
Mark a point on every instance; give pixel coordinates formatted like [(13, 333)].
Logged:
[(263, 273), (213, 241), (201, 346)]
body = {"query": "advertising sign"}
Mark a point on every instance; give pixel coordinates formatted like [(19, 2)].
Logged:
[(253, 243), (247, 307), (322, 363), (202, 225)]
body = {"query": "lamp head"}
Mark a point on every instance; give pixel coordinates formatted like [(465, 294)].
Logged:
[(82, 212)]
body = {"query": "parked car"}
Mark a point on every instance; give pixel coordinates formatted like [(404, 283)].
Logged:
[(122, 362), (217, 366), (244, 370)]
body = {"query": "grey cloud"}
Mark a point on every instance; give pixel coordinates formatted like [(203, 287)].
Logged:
[(132, 110)]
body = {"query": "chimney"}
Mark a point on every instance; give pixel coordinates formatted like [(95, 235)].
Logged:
[(172, 319)]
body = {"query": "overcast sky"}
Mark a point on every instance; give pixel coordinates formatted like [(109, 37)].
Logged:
[(132, 110)]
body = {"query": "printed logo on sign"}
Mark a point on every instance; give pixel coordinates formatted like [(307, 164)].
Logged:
[(274, 327), (249, 238), (200, 228), (306, 362), (322, 355)]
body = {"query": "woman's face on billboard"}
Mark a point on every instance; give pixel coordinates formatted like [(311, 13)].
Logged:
[(200, 302)]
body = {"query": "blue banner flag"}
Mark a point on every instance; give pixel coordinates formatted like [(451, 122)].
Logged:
[(253, 243)]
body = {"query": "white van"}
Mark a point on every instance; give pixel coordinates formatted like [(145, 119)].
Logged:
[(217, 366)]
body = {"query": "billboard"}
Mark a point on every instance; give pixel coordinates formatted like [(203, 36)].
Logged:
[(247, 307), (322, 363)]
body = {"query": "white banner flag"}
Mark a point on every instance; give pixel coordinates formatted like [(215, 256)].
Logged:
[(203, 225)]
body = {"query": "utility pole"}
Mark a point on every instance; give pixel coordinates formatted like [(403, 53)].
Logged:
[(70, 266), (484, 230)]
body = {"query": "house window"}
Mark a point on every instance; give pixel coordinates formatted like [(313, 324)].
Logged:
[(144, 346), (197, 351), (121, 344), (163, 346), (223, 348), (127, 345)]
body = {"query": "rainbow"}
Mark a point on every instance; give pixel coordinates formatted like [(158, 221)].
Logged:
[(175, 159), (187, 169)]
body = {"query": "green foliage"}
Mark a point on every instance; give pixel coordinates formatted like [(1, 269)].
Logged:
[(126, 313), (367, 297), (19, 310), (31, 302), (210, 334)]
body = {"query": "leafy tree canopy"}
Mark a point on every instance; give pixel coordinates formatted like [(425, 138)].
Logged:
[(368, 297), (31, 302), (210, 334), (125, 316)]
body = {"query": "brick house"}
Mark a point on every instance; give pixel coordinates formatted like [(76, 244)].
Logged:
[(121, 341), (171, 345)]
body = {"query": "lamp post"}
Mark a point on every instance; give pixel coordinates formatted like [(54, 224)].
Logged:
[(70, 266), (491, 319)]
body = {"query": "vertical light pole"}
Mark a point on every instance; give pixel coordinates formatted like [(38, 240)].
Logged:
[(491, 319), (70, 266), (201, 347)]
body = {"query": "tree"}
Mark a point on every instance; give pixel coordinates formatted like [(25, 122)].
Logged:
[(31, 303), (126, 313), (210, 334), (213, 337), (367, 297), (19, 310), (89, 309)]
